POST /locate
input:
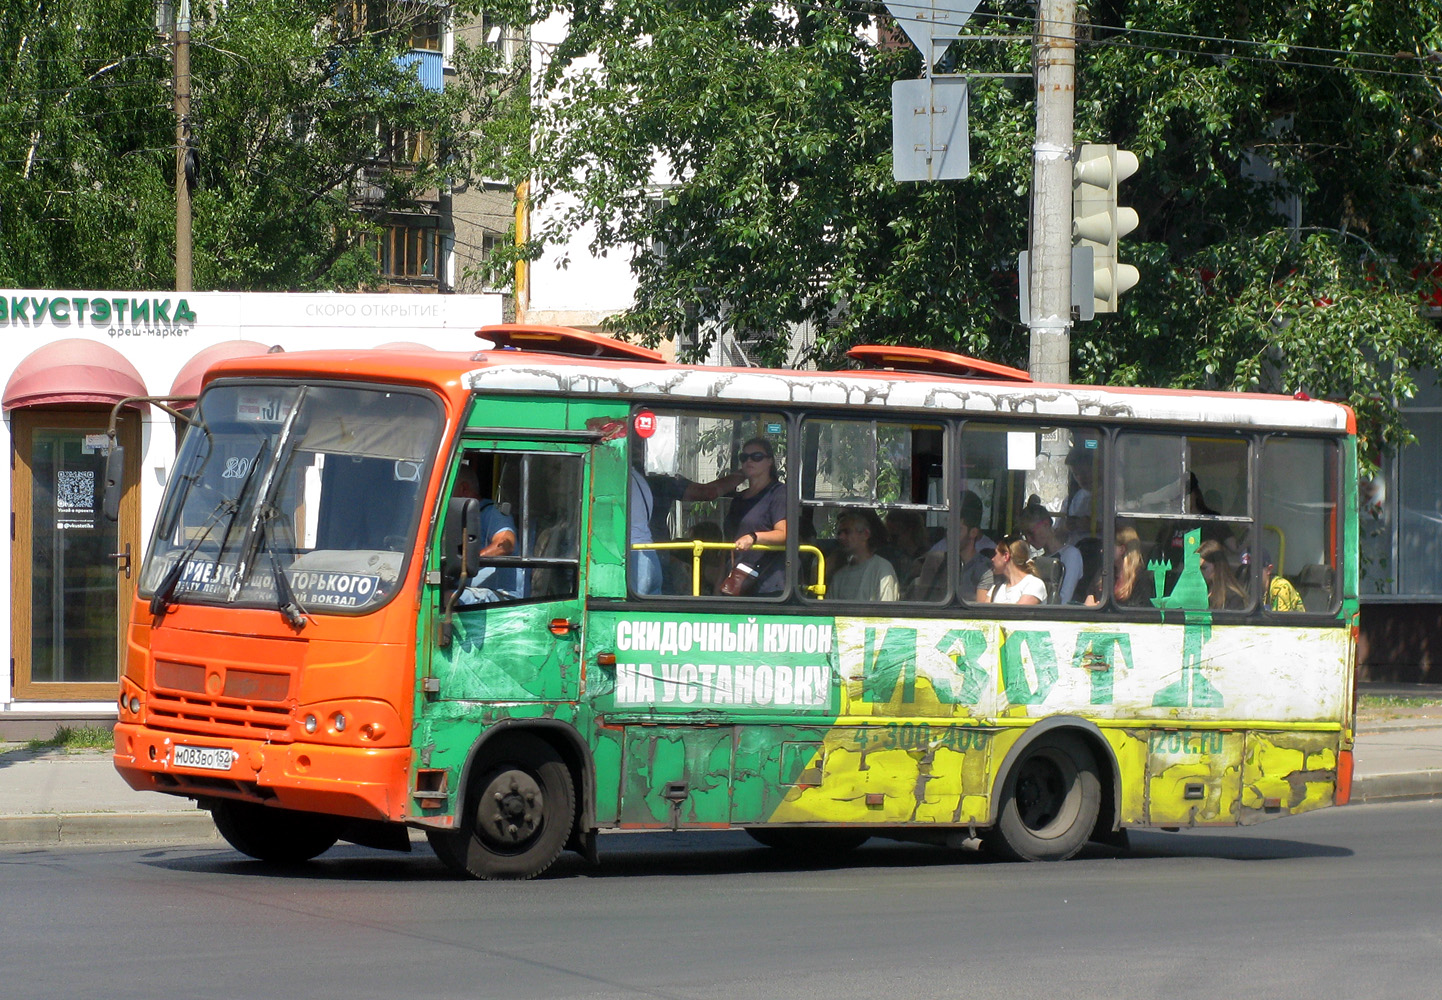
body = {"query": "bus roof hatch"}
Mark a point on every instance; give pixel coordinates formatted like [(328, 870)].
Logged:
[(927, 361), (566, 340)]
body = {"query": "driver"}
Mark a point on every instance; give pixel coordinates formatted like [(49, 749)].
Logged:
[(492, 583)]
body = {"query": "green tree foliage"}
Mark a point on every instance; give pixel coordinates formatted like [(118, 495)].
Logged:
[(300, 110), (743, 150)]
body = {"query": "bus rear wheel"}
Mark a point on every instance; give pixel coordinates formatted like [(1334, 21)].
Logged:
[(517, 815), (1049, 803), (280, 836)]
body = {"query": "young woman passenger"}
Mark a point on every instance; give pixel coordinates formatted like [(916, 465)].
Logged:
[(1016, 579), (1131, 586), (757, 515), (1224, 592)]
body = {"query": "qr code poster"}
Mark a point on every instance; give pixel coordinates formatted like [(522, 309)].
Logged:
[(75, 499)]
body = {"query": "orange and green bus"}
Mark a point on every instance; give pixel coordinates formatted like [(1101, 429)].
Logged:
[(494, 596)]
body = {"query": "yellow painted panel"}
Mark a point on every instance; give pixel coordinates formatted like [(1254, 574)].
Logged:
[(1285, 773), (1208, 761)]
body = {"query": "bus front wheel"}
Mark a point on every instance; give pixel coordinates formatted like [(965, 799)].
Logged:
[(517, 814), (281, 836), (1049, 803)]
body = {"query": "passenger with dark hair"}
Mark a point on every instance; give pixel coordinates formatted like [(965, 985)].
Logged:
[(758, 517), (1223, 590), (1037, 528), (976, 573), (906, 530)]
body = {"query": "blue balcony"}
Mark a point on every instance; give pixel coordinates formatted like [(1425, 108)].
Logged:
[(429, 68)]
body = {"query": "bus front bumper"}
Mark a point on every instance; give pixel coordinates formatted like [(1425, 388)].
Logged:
[(358, 782)]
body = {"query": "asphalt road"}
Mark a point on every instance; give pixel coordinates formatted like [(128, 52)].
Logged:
[(1344, 903)]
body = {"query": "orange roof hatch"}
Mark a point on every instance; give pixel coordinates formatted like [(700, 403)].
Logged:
[(566, 340), (927, 361)]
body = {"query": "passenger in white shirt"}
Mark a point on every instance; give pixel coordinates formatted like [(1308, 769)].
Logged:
[(1017, 582)]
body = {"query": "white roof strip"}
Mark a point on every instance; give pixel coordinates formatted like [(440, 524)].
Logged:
[(676, 384)]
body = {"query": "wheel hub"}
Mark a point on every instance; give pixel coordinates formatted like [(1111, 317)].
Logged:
[(511, 808), (1044, 796)]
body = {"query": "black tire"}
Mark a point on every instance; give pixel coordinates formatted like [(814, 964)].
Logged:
[(517, 816), (1050, 802), (809, 841), (280, 836)]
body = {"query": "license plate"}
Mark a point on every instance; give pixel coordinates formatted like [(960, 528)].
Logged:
[(205, 758)]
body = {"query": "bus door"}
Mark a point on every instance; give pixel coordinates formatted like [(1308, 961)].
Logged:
[(514, 634)]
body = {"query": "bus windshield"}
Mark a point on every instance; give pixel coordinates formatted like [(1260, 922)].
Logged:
[(297, 497)]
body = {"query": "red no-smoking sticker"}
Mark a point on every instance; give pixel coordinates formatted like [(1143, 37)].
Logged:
[(644, 423)]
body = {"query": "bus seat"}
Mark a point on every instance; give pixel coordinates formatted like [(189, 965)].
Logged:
[(1049, 569), (1314, 584)]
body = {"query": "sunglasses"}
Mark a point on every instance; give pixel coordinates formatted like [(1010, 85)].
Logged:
[(754, 456)]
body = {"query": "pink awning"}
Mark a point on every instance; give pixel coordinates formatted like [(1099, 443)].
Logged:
[(73, 371), (187, 383)]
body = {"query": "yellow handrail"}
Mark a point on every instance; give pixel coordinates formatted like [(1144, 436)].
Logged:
[(697, 547)]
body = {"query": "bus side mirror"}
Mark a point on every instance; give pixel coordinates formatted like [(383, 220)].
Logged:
[(114, 481), (461, 542)]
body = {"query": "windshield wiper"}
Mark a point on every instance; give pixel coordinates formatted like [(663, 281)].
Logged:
[(264, 502), (290, 609), (161, 600)]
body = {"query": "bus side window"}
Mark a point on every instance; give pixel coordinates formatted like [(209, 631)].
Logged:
[(1300, 547), (1037, 483), (882, 482), (536, 499), (688, 482)]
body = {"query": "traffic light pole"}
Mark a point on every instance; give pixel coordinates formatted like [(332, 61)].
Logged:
[(1051, 193)]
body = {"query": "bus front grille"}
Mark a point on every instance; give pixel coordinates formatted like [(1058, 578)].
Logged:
[(201, 715)]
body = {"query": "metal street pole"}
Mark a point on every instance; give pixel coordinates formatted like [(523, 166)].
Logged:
[(180, 39), (1050, 280)]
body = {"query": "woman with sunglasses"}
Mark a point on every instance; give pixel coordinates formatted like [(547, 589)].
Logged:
[(758, 517), (1016, 579)]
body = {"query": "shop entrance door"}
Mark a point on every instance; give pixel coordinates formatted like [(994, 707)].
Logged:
[(72, 571)]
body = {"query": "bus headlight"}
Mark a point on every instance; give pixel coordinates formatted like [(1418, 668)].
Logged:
[(134, 705), (340, 722), (311, 723)]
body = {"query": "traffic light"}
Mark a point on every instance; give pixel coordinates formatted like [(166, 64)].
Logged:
[(1098, 222)]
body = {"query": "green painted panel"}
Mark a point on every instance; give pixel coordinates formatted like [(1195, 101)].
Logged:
[(507, 653), (773, 763), (517, 411), (657, 756)]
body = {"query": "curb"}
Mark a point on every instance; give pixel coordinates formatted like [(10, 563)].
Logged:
[(38, 829), (1397, 787), (95, 829)]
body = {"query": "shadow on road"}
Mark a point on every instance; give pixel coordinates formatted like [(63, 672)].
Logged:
[(732, 853)]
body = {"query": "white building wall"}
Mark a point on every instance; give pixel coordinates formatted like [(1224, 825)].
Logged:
[(569, 285)]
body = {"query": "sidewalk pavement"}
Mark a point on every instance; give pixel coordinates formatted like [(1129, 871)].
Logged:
[(58, 797)]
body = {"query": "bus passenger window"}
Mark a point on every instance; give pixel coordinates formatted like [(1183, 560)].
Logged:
[(1169, 486), (1300, 534), (1036, 483), (530, 525), (873, 491), (716, 478)]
